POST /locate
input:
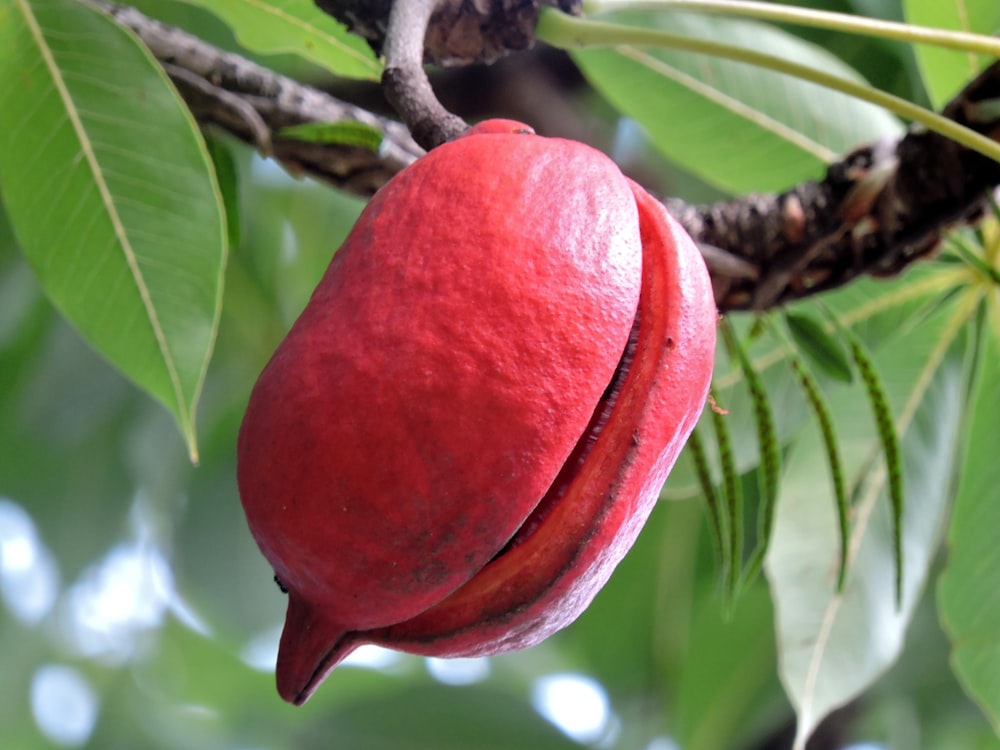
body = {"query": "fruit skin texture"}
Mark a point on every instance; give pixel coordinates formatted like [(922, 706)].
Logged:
[(464, 431)]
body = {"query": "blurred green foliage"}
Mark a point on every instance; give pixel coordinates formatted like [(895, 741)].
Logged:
[(136, 611)]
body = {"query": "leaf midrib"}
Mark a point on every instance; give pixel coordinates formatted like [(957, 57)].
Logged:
[(310, 28), (726, 101), (959, 317), (106, 198)]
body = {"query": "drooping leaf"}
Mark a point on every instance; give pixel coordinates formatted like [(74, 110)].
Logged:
[(969, 590), (820, 407), (789, 409), (717, 515), (111, 194), (770, 452), (886, 428), (738, 127), (834, 645), (945, 71), (732, 501), (300, 28)]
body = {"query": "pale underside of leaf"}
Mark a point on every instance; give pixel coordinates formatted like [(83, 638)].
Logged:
[(736, 125), (835, 645), (731, 103), (820, 408), (770, 459)]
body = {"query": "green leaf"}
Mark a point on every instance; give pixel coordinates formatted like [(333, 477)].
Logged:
[(833, 646), (736, 126), (111, 194), (969, 590), (824, 419), (732, 500), (297, 27), (718, 519), (886, 428), (728, 682), (228, 178), (342, 133), (944, 71), (770, 451), (647, 604), (822, 349)]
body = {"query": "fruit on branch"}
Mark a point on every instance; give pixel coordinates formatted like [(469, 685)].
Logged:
[(463, 433)]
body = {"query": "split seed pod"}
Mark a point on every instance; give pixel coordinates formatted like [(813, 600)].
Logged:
[(465, 430)]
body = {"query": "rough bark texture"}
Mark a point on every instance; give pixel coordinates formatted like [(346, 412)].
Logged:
[(461, 32), (877, 210), (254, 104)]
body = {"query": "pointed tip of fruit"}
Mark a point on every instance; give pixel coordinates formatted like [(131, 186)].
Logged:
[(310, 648)]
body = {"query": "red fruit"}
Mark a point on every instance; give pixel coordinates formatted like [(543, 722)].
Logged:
[(464, 431)]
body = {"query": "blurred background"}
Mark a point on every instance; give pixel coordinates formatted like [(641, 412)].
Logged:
[(137, 612)]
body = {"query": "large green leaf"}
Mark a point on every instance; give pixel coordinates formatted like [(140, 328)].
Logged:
[(297, 27), (832, 646), (736, 126), (969, 593), (111, 194), (946, 71), (728, 689)]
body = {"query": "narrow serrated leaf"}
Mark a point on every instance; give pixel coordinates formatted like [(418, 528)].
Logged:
[(886, 427), (821, 410), (770, 452), (111, 195), (732, 501), (835, 645), (972, 256), (743, 128), (822, 349), (717, 519), (229, 186)]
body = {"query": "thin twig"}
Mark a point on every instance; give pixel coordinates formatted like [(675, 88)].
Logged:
[(404, 80)]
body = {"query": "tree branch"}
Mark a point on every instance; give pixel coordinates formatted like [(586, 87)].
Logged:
[(461, 32), (254, 104), (404, 80), (879, 209)]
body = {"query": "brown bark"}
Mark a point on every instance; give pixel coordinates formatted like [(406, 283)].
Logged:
[(461, 32), (877, 210)]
